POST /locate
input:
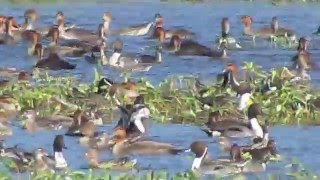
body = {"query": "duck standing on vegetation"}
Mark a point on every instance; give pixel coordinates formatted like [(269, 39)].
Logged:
[(242, 89), (225, 34), (134, 120)]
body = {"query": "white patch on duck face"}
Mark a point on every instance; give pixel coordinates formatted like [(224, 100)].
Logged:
[(216, 133), (243, 101), (198, 160), (60, 161), (257, 130)]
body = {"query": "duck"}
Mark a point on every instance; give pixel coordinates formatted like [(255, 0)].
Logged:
[(52, 61), (243, 89), (115, 89), (98, 141), (123, 165), (203, 164), (182, 33), (33, 123), (15, 34), (236, 128), (75, 33), (8, 104), (34, 40), (134, 30), (258, 154), (61, 50), (302, 53), (44, 162), (188, 47), (126, 63), (21, 159), (225, 36), (5, 131), (265, 32), (134, 119), (82, 125), (3, 20), (281, 31), (149, 59), (122, 146)]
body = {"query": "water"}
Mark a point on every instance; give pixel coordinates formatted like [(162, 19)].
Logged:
[(203, 19)]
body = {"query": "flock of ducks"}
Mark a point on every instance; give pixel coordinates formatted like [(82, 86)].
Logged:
[(129, 137)]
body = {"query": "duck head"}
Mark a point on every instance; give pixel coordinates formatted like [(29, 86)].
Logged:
[(302, 45), (254, 111), (159, 33), (117, 46), (200, 150), (235, 152), (272, 147), (246, 20), (225, 27), (107, 18), (213, 118), (30, 17), (228, 74), (29, 123), (59, 15), (158, 20), (58, 145)]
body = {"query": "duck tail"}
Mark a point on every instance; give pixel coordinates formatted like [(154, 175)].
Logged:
[(207, 131), (177, 151)]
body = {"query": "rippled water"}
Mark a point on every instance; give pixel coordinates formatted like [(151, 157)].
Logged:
[(204, 20)]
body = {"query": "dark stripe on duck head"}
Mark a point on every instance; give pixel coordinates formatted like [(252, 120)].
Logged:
[(198, 148), (254, 110)]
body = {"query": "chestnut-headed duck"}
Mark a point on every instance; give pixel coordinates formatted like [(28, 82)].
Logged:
[(123, 147), (52, 61), (188, 47), (54, 47), (182, 33), (92, 155), (205, 165), (236, 128)]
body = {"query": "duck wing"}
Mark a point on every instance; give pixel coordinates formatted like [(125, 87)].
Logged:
[(135, 30), (192, 48), (152, 148)]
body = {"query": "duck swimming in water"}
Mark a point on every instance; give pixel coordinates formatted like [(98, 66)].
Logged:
[(236, 128), (182, 33), (203, 164), (52, 61)]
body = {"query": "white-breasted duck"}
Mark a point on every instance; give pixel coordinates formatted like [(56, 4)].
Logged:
[(236, 128), (203, 164), (242, 89)]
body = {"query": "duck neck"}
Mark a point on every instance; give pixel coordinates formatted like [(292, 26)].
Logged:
[(106, 26), (248, 29), (114, 58), (28, 24), (234, 83), (158, 56), (59, 158), (257, 129), (198, 160), (244, 101)]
